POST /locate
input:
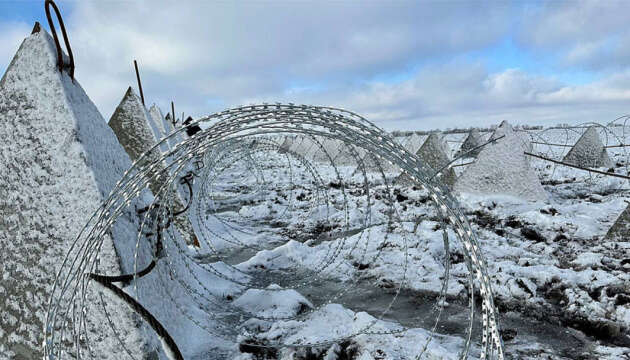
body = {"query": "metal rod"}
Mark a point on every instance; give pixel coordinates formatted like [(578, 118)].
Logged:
[(550, 144), (564, 145), (577, 167), (135, 64), (173, 112), (65, 37), (36, 28), (144, 313)]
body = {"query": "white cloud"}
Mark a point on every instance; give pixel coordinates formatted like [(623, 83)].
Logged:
[(211, 55), (592, 34), (461, 94), (191, 51)]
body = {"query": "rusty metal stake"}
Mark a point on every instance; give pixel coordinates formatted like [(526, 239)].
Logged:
[(135, 64), (65, 37), (173, 112), (37, 28)]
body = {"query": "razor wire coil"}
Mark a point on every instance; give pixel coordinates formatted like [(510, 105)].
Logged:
[(239, 161)]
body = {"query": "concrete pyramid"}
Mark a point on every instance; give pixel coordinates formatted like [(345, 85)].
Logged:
[(328, 150), (303, 146), (473, 140), (588, 151), (434, 153), (502, 168), (373, 164), (401, 140), (296, 144), (414, 143), (131, 124), (503, 127), (349, 155), (60, 160), (156, 120), (621, 228), (286, 144)]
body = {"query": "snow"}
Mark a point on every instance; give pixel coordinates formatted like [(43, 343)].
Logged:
[(588, 151), (273, 302), (503, 168), (385, 341), (62, 161)]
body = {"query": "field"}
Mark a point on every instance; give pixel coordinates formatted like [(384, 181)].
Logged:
[(353, 263)]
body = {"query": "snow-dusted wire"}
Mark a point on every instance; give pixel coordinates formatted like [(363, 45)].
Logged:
[(267, 173)]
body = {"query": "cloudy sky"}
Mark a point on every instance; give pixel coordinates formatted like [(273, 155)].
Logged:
[(402, 65)]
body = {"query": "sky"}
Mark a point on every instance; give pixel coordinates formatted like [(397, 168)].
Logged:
[(408, 65)]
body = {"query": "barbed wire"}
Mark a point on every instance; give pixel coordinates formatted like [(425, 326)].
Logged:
[(263, 175)]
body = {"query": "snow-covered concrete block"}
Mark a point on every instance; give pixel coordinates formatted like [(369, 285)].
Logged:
[(130, 122), (473, 140), (286, 144), (434, 153), (59, 161), (503, 168), (171, 127), (620, 230), (156, 120), (132, 125), (414, 143), (329, 149), (588, 151), (410, 143)]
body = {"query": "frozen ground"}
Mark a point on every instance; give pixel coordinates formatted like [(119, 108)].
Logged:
[(334, 261)]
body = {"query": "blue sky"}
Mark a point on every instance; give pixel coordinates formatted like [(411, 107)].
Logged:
[(401, 64), (20, 10)]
